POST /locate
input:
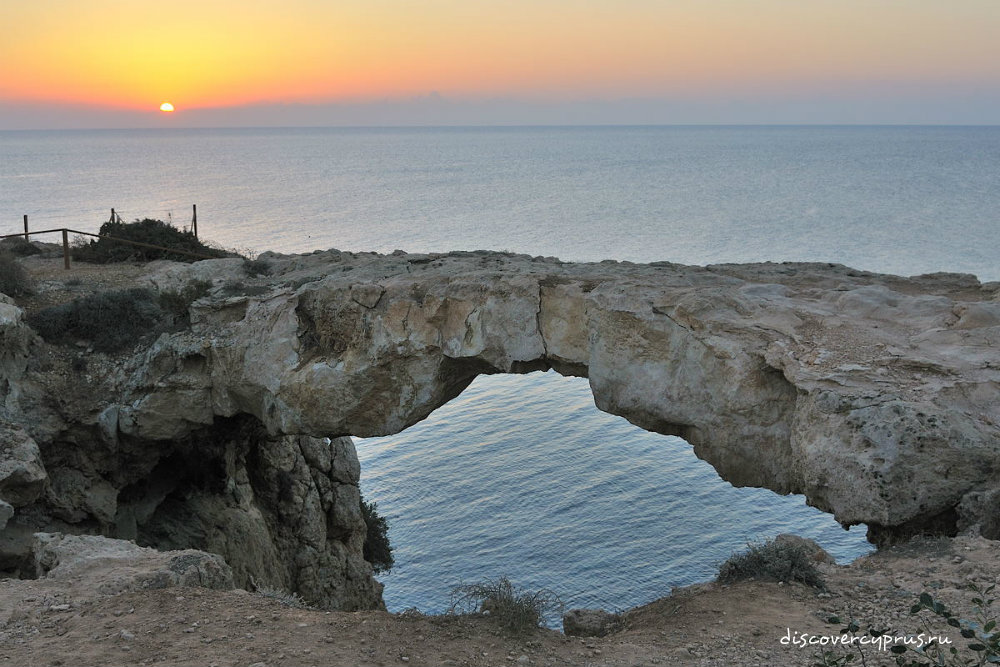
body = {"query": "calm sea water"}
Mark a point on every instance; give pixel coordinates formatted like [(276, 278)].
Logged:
[(521, 475)]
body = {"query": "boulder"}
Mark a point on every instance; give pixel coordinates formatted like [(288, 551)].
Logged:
[(111, 566), (589, 622), (22, 473), (6, 512), (807, 545)]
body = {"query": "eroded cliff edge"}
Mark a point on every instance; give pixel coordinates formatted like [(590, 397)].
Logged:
[(875, 396)]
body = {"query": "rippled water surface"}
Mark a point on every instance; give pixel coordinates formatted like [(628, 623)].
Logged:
[(521, 475)]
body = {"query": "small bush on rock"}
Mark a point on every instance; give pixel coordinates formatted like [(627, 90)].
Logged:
[(257, 267), (14, 280), (377, 549), (771, 561), (517, 612), (155, 232), (17, 245), (110, 321), (176, 303)]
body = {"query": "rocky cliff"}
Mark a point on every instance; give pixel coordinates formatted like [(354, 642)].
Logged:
[(875, 396)]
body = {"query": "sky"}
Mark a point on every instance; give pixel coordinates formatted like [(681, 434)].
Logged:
[(111, 63)]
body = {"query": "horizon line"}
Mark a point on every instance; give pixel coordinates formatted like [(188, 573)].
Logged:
[(430, 126)]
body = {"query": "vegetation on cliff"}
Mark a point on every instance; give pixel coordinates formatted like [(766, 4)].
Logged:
[(771, 561), (14, 280), (377, 549), (147, 230), (109, 321), (515, 611), (113, 320)]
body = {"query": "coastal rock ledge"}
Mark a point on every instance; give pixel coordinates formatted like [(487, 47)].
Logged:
[(875, 396)]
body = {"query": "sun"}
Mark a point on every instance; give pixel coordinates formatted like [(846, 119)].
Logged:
[(166, 107)]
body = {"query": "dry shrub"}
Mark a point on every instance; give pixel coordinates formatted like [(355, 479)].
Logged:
[(517, 612), (771, 561)]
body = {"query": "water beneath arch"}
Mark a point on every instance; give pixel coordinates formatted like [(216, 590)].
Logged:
[(537, 484)]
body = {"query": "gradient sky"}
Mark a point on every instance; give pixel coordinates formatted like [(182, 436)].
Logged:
[(102, 62)]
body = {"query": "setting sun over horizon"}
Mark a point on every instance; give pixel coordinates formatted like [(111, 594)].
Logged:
[(305, 52)]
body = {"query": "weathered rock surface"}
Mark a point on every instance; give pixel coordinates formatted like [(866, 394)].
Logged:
[(875, 396), (114, 566), (22, 474), (589, 622), (6, 512), (283, 511), (808, 546), (74, 567)]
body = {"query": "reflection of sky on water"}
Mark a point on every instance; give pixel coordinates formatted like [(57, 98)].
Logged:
[(523, 476)]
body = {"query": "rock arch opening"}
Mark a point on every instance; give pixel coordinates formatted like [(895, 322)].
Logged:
[(522, 475)]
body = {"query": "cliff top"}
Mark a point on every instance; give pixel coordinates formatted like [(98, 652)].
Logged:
[(704, 625)]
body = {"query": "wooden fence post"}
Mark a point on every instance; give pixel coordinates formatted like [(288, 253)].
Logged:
[(65, 249), (25, 226), (194, 220)]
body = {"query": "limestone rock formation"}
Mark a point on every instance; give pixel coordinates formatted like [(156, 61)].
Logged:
[(115, 566), (22, 474), (71, 568), (875, 396), (284, 511)]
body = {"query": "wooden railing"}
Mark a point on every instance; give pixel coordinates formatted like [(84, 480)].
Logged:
[(66, 250), (114, 218)]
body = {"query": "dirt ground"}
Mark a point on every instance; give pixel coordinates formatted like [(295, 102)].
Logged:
[(707, 624), (54, 284)]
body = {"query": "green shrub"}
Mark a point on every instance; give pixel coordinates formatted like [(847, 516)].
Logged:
[(771, 561), (517, 612), (257, 267), (979, 629), (17, 245), (109, 320), (14, 280), (377, 549), (980, 632), (175, 304), (155, 232)]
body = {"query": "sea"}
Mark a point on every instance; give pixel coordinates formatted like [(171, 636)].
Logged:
[(521, 476)]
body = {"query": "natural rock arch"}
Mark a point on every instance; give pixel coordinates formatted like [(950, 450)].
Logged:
[(874, 396), (814, 379)]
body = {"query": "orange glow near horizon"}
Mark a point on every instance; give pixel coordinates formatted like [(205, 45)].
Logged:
[(118, 53)]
